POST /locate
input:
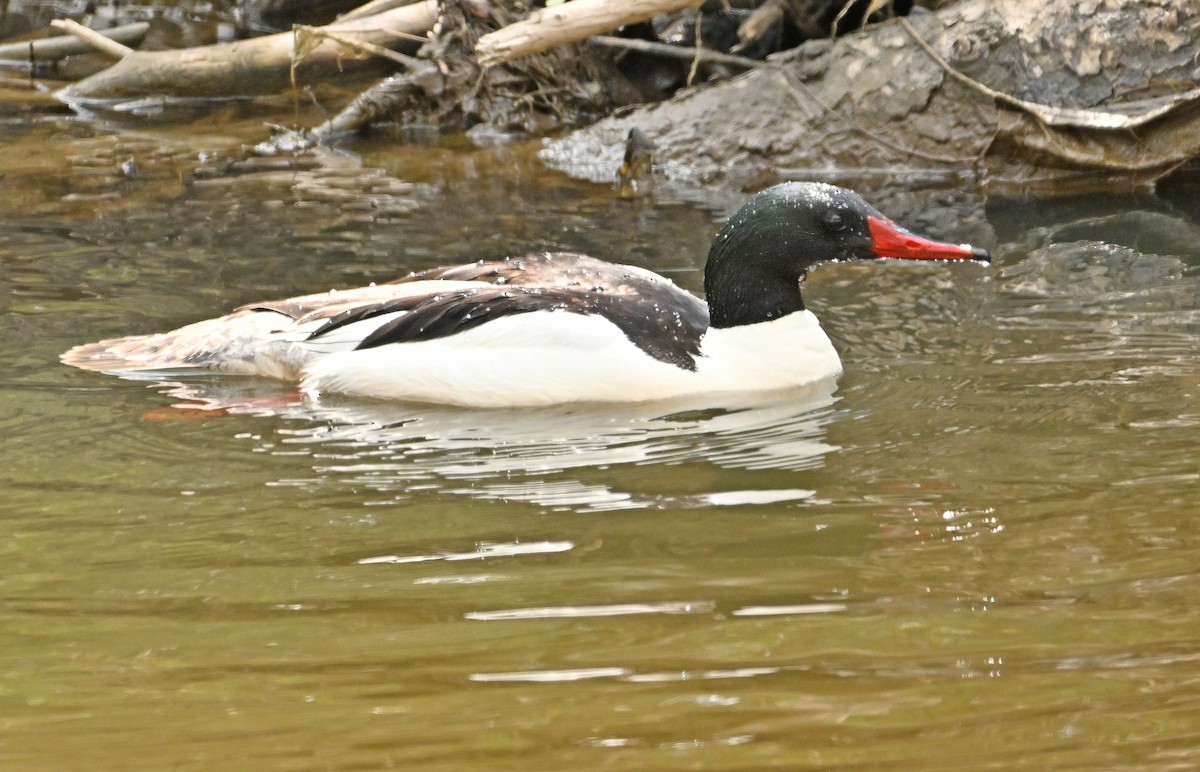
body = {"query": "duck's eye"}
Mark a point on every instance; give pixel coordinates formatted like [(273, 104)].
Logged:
[(834, 221)]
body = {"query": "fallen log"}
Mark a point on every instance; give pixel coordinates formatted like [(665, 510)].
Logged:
[(568, 23), (62, 46), (258, 66), (1073, 95)]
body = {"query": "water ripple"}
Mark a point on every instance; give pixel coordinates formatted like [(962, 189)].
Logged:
[(577, 612), (481, 552)]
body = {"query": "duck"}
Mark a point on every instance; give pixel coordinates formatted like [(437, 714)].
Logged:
[(556, 327)]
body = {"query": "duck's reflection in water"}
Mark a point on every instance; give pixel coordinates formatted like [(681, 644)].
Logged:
[(573, 456)]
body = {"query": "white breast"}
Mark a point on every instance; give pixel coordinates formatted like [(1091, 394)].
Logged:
[(790, 351)]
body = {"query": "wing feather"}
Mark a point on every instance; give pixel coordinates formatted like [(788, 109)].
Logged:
[(667, 325)]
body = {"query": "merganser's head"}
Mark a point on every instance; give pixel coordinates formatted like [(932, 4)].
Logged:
[(759, 257)]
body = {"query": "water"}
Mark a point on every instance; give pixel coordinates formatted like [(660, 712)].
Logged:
[(978, 551)]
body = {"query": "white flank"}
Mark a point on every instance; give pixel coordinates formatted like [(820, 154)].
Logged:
[(548, 357)]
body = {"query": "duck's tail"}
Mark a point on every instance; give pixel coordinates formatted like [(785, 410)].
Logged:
[(133, 353), (242, 342)]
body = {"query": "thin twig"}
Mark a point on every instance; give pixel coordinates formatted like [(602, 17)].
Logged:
[(706, 55), (871, 8), (362, 45), (691, 76)]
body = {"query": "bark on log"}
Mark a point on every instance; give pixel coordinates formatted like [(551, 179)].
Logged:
[(62, 46), (1076, 88), (257, 66), (568, 23)]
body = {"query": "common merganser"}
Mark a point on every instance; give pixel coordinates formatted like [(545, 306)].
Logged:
[(557, 327)]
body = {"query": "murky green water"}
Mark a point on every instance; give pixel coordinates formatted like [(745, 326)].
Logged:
[(980, 551)]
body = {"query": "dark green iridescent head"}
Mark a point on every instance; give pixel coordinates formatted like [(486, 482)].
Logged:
[(757, 260)]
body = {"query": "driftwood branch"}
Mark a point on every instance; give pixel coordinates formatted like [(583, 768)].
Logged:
[(567, 23), (759, 23), (62, 46), (93, 38), (247, 67)]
